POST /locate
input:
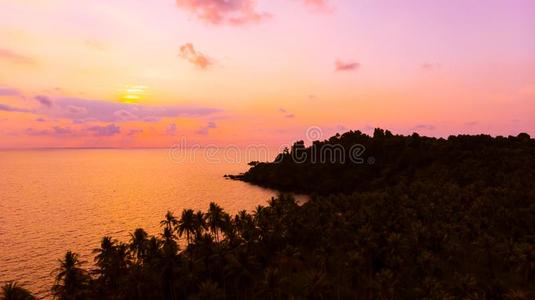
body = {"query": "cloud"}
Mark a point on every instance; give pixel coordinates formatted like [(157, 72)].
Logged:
[(36, 132), (204, 130), (286, 113), (424, 127), (5, 91), (134, 131), (341, 66), (316, 2), (15, 58), (81, 110), (125, 115), (216, 12), (43, 100), (96, 131), (40, 120), (108, 130), (341, 128), (170, 129), (62, 131), (55, 131), (429, 66), (188, 52), (5, 107), (76, 110), (319, 5)]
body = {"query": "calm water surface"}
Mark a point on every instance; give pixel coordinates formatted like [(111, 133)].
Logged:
[(52, 201)]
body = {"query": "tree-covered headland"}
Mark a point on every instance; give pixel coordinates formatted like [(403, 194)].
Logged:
[(409, 217)]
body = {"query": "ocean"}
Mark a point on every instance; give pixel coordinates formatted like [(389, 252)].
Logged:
[(52, 201)]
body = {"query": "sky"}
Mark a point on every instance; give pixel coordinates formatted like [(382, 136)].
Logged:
[(133, 73)]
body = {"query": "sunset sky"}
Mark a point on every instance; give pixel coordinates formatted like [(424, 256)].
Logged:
[(133, 73)]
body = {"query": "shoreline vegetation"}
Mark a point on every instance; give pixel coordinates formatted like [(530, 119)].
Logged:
[(400, 217)]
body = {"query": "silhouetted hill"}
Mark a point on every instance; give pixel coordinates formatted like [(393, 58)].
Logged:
[(355, 161)]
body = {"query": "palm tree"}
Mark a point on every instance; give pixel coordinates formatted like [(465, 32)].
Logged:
[(229, 229), (209, 290), (214, 219), (271, 287), (71, 280), (138, 241), (245, 225), (153, 247), (259, 212), (260, 215), (168, 235), (187, 224), (112, 260), (104, 257), (168, 260), (170, 221), (200, 223), (203, 246), (11, 291), (240, 269)]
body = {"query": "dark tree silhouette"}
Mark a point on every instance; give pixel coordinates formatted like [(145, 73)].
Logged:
[(215, 219), (12, 291), (71, 280), (138, 244), (187, 224), (430, 219)]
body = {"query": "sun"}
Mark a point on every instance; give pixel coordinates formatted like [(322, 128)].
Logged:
[(133, 94)]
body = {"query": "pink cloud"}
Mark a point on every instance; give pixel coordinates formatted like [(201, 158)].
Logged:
[(424, 127), (287, 114), (5, 91), (321, 6), (55, 131), (108, 130), (233, 12), (96, 131), (76, 110), (170, 129), (125, 115), (81, 110), (188, 52), (134, 132), (346, 66), (44, 100), (429, 66), (8, 108), (318, 4), (204, 130), (15, 58)]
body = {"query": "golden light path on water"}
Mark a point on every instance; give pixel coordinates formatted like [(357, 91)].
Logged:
[(52, 201)]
